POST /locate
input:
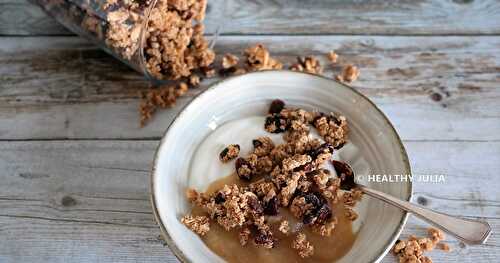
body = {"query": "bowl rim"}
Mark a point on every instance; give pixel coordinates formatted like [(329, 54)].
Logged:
[(164, 232)]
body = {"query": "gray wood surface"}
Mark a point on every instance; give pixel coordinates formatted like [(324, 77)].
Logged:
[(427, 17), (74, 165), (87, 201), (63, 87)]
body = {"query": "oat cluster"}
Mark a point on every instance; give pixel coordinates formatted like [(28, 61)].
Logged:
[(285, 176), (412, 250)]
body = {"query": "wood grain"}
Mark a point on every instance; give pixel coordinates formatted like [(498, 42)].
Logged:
[(65, 88), (424, 17), (88, 201)]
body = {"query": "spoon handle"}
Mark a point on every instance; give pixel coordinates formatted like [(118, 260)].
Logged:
[(469, 231)]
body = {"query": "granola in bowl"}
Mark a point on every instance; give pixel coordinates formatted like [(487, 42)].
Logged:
[(278, 194), (281, 196)]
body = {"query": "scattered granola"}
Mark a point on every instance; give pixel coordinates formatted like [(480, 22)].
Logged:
[(230, 152), (413, 249), (443, 246), (159, 97), (258, 58), (194, 80), (229, 61), (307, 64), (349, 74), (332, 57), (284, 176)]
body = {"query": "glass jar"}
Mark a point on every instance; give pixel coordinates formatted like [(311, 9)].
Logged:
[(162, 39)]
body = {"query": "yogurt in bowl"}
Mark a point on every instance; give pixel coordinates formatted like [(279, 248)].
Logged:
[(233, 111)]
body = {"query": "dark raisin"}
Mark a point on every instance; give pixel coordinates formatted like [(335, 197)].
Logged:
[(243, 169), (224, 72), (271, 207), (436, 96), (309, 219), (264, 238), (313, 199), (346, 175), (275, 123), (323, 214), (276, 106), (256, 143), (338, 147), (335, 119), (317, 117), (323, 148), (220, 198), (255, 206), (320, 213), (308, 167), (224, 153)]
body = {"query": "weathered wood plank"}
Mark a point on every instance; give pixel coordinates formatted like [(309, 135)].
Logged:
[(63, 87), (426, 17), (88, 201)]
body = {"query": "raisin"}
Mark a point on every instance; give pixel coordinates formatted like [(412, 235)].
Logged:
[(275, 123), (224, 72), (224, 153), (220, 198), (323, 148), (276, 106), (256, 143), (255, 206), (338, 147), (320, 211), (346, 175), (307, 168), (323, 214), (313, 199), (271, 207), (264, 238), (243, 169)]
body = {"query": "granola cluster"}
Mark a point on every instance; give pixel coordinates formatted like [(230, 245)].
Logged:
[(230, 152), (412, 250), (199, 224), (285, 176), (257, 58), (175, 45), (160, 97), (308, 64)]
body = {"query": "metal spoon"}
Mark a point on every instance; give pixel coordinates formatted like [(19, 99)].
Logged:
[(469, 231)]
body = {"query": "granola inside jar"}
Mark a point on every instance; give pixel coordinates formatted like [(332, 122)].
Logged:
[(162, 39)]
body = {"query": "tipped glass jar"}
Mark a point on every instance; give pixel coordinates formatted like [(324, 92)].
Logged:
[(162, 39)]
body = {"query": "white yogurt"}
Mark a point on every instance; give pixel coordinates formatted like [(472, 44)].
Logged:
[(206, 167)]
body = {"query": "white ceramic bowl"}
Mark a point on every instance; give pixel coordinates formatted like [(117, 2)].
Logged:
[(374, 148)]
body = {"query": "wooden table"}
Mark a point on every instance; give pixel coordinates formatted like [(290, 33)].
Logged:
[(74, 165)]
